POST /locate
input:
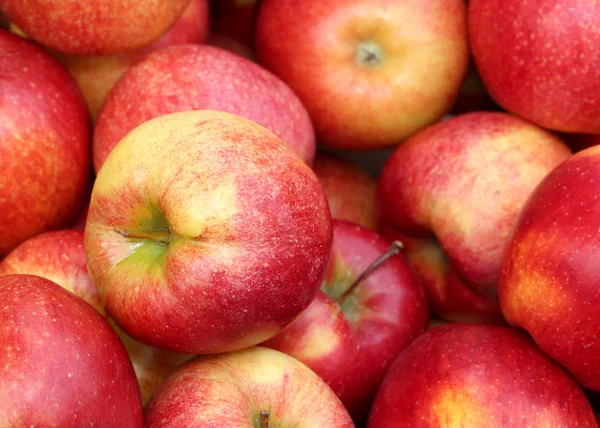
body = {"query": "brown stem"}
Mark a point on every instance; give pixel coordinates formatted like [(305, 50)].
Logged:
[(392, 250), (263, 418), (161, 236)]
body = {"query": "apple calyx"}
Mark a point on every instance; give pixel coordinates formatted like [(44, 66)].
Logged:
[(161, 236), (393, 249), (263, 418), (369, 54)]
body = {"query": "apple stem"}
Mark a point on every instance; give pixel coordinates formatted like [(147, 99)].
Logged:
[(391, 251), (369, 54), (263, 418), (161, 236)]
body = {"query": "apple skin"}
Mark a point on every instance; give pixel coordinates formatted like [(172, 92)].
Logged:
[(350, 190), (478, 375), (196, 77), (96, 75), (231, 389), (549, 281), (351, 343), (354, 105), (61, 364), (60, 257), (89, 28), (235, 19), (250, 233), (451, 194), (535, 71), (44, 143)]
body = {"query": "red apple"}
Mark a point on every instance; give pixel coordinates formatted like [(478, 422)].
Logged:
[(205, 233), (93, 28), (358, 323), (60, 256), (452, 193), (235, 19), (350, 190), (256, 387), (44, 143), (370, 72), (478, 376), (538, 59), (96, 75), (549, 283), (196, 77), (61, 364)]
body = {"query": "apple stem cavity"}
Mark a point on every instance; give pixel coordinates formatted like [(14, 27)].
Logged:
[(161, 236), (369, 54), (263, 418), (391, 251)]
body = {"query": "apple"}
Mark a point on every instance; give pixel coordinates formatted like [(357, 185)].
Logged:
[(61, 364), (451, 194), (370, 307), (91, 28), (232, 45), (235, 19), (538, 59), (44, 143), (206, 233), (254, 387), (96, 75), (549, 281), (370, 72), (478, 375), (196, 77), (350, 190), (60, 257)]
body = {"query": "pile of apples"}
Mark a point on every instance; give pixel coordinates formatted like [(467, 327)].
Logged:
[(285, 213)]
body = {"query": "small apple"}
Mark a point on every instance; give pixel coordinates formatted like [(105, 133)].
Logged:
[(370, 307), (549, 282), (255, 388), (60, 257), (196, 77), (61, 364), (93, 28), (206, 233), (44, 143), (451, 194), (370, 72), (350, 190)]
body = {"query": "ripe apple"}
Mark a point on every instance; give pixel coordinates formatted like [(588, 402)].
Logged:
[(206, 233), (255, 387), (451, 194), (60, 362), (44, 143), (538, 59), (60, 257), (370, 72), (96, 75), (196, 77), (370, 307), (235, 19), (349, 189), (549, 282), (92, 28), (478, 376)]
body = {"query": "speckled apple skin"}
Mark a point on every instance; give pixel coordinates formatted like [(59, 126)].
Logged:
[(549, 284), (94, 28), (44, 143), (539, 59), (352, 345), (478, 376), (457, 188), (252, 233), (196, 77), (60, 257), (61, 364), (96, 75), (350, 189), (229, 390), (311, 45)]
